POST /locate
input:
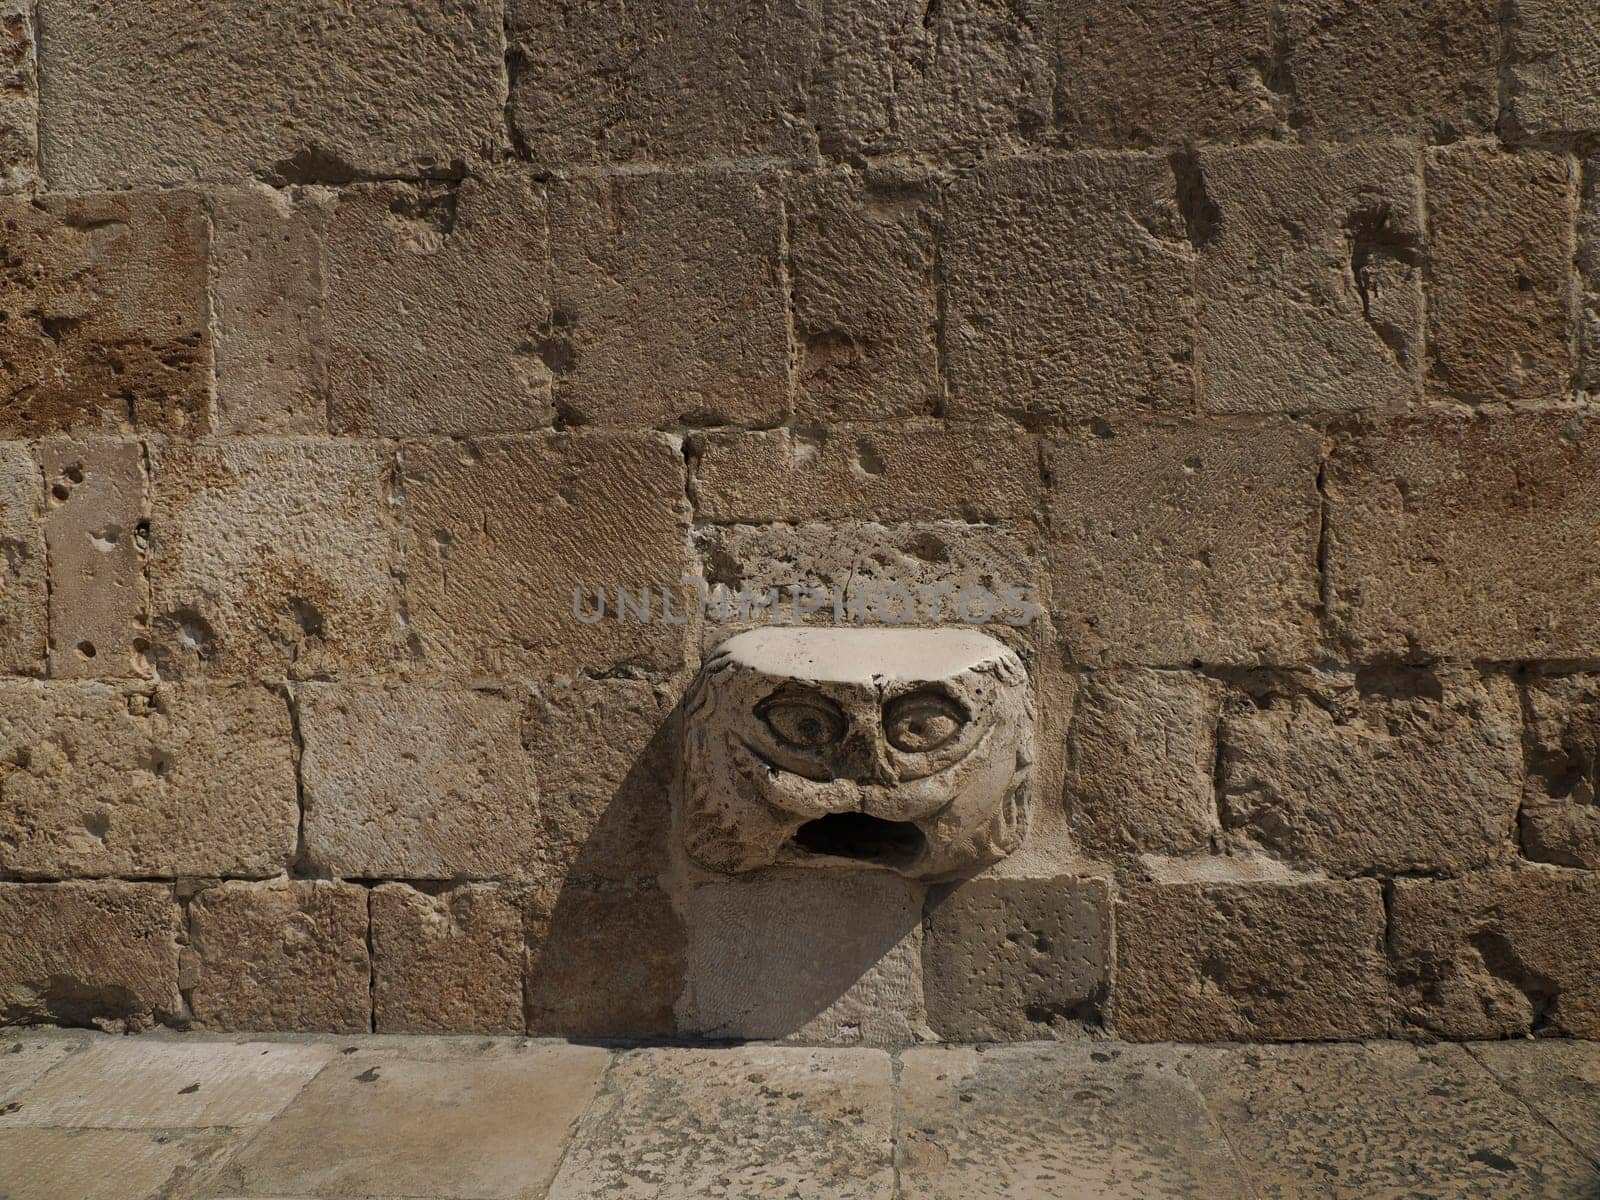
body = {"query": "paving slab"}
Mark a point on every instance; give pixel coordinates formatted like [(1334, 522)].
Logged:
[(1057, 1121), (104, 1164), (148, 1084), (24, 1060), (470, 1127), (1382, 1119), (749, 1121), (1558, 1079)]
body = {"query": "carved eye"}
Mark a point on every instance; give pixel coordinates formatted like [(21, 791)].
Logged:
[(922, 722), (808, 724)]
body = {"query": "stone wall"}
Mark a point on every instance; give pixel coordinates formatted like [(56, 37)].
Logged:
[(339, 343)]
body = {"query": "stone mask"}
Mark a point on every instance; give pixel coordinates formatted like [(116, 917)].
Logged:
[(903, 749)]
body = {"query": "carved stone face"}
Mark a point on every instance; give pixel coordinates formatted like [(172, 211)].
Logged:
[(906, 749)]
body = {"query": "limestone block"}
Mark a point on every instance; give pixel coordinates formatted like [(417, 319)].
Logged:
[(97, 533), (317, 92), (24, 577), (1587, 262), (1310, 277), (668, 300), (951, 81), (1560, 814), (449, 962), (107, 314), (623, 81), (103, 954), (602, 752), (1470, 539), (810, 959), (19, 97), (286, 954), (910, 750), (270, 554), (890, 475), (416, 783), (1250, 962), (1498, 954), (509, 540), (107, 1164), (1069, 289), (437, 307), (861, 259), (1425, 67), (943, 573), (267, 294), (179, 780), (1185, 543), (1555, 53), (1558, 1081), (1016, 959), (1500, 272), (1183, 73), (603, 960), (1140, 754), (1389, 772)]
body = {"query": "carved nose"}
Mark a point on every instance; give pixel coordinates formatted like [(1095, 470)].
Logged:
[(863, 753)]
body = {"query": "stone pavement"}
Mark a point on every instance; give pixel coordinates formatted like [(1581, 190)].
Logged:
[(160, 1117)]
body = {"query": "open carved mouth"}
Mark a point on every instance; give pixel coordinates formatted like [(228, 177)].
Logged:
[(863, 838)]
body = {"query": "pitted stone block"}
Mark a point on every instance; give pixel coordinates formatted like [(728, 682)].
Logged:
[(905, 749)]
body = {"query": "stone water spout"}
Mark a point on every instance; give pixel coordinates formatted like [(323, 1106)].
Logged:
[(908, 750)]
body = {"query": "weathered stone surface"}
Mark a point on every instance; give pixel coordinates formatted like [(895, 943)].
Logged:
[(1560, 814), (1234, 962), (24, 574), (180, 780), (289, 954), (449, 962), (1559, 1080), (1183, 73), (23, 1060), (267, 291), (1498, 954), (1388, 772), (661, 82), (102, 954), (490, 1125), (949, 82), (1499, 272), (270, 554), (107, 314), (1587, 262), (1069, 289), (509, 539), (834, 959), (106, 1164), (830, 749), (415, 783), (604, 960), (1425, 67), (844, 473), (931, 573), (96, 535), (1382, 1119), (1016, 959), (668, 301), (1184, 543), (1017, 1122), (861, 258), (19, 97), (1555, 52), (602, 753), (437, 307), (310, 93), (1140, 754), (748, 1121), (146, 1084), (1469, 539), (1310, 277)]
